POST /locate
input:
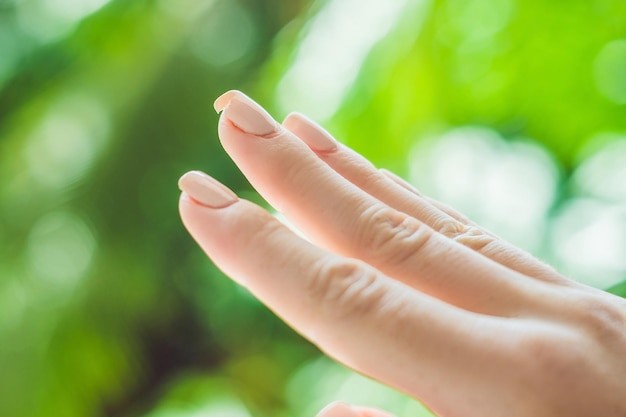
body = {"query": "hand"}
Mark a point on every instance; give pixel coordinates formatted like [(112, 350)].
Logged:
[(398, 286)]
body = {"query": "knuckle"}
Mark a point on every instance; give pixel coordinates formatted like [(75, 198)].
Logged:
[(470, 236), (601, 319), (449, 226), (567, 349), (556, 354), (265, 230), (390, 237), (344, 290)]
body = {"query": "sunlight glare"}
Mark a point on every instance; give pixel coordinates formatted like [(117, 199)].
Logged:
[(610, 71), (603, 174), (49, 20), (332, 52), (62, 148), (60, 248), (507, 187), (227, 35), (589, 241)]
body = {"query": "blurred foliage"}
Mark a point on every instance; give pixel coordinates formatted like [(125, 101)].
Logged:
[(107, 307)]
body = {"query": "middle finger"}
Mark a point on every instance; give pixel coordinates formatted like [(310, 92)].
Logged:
[(397, 194), (342, 217)]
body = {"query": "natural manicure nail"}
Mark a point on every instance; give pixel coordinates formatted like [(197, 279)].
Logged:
[(206, 190), (315, 136), (338, 409), (245, 113)]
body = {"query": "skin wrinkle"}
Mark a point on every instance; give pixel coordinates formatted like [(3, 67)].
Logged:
[(497, 335), (454, 227), (440, 400), (387, 305), (403, 318), (604, 322), (387, 236), (365, 175), (293, 173), (351, 165), (344, 291), (341, 237), (502, 304), (561, 357), (476, 242)]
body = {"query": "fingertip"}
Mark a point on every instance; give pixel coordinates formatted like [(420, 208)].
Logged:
[(338, 409), (293, 118), (370, 412), (341, 409), (311, 133), (222, 101), (192, 214), (206, 190), (246, 114)]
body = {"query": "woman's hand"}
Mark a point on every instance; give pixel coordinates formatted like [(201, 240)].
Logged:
[(398, 286)]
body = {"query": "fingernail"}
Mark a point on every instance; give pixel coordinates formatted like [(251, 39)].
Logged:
[(206, 190), (223, 100), (338, 409), (315, 136), (245, 113)]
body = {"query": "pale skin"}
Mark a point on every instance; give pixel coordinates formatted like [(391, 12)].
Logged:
[(400, 287)]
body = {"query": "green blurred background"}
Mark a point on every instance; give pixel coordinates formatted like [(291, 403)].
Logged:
[(513, 111)]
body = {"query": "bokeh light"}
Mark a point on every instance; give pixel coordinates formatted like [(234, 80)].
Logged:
[(10, 50), (610, 71), (60, 249), (228, 34), (332, 52), (507, 187), (602, 174), (49, 20), (61, 150), (512, 111), (334, 381), (589, 239)]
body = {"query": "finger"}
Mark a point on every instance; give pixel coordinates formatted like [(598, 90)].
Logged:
[(370, 412), (369, 322), (342, 217), (339, 409), (411, 189), (400, 195), (498, 249)]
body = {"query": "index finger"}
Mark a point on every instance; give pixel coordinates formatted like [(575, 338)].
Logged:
[(355, 314)]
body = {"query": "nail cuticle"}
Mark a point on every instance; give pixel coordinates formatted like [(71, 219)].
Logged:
[(271, 135), (326, 151), (246, 115)]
